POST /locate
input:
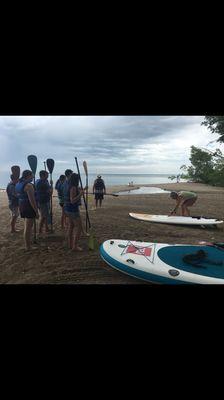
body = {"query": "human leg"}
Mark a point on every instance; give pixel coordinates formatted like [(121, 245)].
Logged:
[(14, 216), (78, 227), (28, 232), (70, 233)]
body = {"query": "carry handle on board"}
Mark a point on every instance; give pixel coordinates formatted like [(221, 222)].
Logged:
[(87, 214), (50, 167), (32, 160)]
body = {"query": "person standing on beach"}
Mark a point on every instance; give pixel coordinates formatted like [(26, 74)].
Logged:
[(68, 174), (59, 187), (99, 189), (13, 202), (43, 195), (185, 200), (72, 196), (27, 204)]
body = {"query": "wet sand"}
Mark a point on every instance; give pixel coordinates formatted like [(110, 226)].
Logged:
[(52, 263)]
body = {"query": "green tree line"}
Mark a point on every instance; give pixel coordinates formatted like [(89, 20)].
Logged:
[(206, 166)]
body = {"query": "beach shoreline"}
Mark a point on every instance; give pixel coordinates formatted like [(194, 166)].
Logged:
[(51, 262)]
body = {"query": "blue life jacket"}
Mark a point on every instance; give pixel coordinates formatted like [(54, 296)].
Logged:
[(59, 187), (12, 196), (23, 196), (43, 191), (68, 206)]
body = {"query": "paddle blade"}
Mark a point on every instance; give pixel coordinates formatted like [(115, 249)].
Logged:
[(85, 167), (50, 165), (32, 160), (93, 243), (15, 171)]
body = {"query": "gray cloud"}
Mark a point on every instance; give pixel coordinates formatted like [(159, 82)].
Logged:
[(128, 142)]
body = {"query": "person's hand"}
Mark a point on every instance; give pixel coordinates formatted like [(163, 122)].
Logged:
[(86, 188), (51, 182), (172, 213)]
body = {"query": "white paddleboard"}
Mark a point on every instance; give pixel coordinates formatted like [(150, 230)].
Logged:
[(173, 219), (163, 263)]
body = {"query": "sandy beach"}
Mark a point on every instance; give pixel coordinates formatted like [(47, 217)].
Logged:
[(52, 263)]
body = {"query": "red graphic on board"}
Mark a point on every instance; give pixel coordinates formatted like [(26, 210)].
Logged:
[(141, 251)]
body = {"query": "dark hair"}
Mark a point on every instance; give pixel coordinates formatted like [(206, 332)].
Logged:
[(173, 195), (43, 174), (62, 177), (26, 173), (68, 172), (74, 180)]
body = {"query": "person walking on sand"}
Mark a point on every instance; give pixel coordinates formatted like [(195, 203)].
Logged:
[(59, 187), (43, 195), (185, 200), (27, 204), (99, 189), (72, 196), (13, 202)]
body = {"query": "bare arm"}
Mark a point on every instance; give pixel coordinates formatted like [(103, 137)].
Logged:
[(74, 197), (104, 187), (178, 201)]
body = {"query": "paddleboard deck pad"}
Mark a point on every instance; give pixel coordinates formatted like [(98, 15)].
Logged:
[(177, 220), (165, 263)]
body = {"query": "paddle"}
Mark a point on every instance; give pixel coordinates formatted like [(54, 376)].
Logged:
[(86, 172), (109, 194), (15, 171), (80, 180), (32, 160), (50, 166), (45, 165)]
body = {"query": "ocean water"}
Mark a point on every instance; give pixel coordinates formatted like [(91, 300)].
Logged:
[(110, 179), (124, 179)]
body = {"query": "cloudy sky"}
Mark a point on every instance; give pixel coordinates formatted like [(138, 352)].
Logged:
[(109, 144)]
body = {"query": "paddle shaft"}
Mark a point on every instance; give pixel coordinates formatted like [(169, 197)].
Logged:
[(32, 160), (50, 166), (108, 194), (86, 172), (87, 214), (51, 205), (86, 200)]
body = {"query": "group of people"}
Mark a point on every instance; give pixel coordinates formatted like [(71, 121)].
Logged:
[(29, 200)]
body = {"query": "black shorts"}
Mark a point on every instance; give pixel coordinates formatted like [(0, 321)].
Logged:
[(26, 211), (189, 202), (99, 196)]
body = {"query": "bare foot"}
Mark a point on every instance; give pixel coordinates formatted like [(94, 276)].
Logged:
[(77, 248)]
